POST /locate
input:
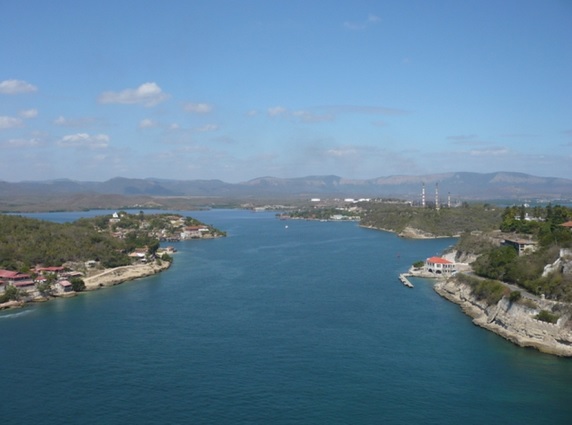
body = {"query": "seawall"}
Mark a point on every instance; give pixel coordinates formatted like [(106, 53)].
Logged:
[(118, 275)]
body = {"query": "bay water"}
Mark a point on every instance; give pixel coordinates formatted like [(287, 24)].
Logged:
[(281, 322)]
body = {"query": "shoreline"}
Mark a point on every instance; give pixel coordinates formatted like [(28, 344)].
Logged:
[(409, 233), (119, 275), (511, 321), (104, 279)]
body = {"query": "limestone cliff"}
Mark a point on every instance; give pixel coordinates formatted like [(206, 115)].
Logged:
[(514, 321)]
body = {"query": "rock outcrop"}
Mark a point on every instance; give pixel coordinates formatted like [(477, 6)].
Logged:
[(514, 321)]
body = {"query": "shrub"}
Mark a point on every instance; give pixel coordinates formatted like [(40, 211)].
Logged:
[(527, 302), (490, 290), (10, 293), (78, 284), (514, 296), (547, 316)]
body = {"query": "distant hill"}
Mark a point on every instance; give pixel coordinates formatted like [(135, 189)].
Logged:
[(461, 185)]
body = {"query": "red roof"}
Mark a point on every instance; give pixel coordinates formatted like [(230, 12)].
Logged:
[(50, 269), (567, 224), (438, 260), (24, 283), (8, 274)]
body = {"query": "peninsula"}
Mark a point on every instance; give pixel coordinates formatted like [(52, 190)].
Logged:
[(42, 260)]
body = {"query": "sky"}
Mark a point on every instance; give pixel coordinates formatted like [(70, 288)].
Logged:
[(235, 90)]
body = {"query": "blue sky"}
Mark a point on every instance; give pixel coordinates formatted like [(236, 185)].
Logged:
[(235, 90)]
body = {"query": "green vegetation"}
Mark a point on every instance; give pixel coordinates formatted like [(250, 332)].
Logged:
[(544, 226), (443, 222), (474, 243), (11, 293), (78, 285), (487, 290), (490, 290), (26, 242), (514, 296), (323, 214), (542, 223), (494, 263), (547, 316)]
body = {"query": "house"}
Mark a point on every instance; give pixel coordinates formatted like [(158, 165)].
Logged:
[(193, 232), (46, 271), (139, 254), (568, 225), (522, 246), (8, 275), (24, 284), (115, 218), (439, 265), (65, 286), (12, 277)]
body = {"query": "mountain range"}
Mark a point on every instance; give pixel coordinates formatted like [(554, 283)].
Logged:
[(460, 185)]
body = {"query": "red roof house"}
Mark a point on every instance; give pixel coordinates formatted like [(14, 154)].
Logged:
[(439, 265)]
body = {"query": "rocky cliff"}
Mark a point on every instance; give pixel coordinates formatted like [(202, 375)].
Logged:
[(514, 321)]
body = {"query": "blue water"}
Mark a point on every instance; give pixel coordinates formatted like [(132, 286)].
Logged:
[(306, 324)]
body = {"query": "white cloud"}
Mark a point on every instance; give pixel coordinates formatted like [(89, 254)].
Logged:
[(361, 109), (342, 152), (84, 140), (361, 25), (277, 111), (302, 115), (29, 113), (9, 122), (311, 117), (16, 87), (489, 152), (147, 123), (73, 122), (462, 137), (22, 143), (208, 127), (198, 108), (148, 94)]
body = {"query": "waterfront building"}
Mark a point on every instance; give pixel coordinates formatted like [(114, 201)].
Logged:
[(439, 265)]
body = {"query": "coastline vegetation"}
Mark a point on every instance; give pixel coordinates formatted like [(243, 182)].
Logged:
[(29, 246), (443, 222), (538, 224), (25, 242), (107, 239)]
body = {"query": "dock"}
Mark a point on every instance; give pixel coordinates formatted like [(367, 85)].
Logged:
[(405, 281)]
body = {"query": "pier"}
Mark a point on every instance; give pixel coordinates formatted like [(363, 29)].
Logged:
[(405, 281)]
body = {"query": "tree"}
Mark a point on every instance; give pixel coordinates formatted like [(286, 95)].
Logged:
[(44, 288), (494, 264), (10, 293), (78, 285)]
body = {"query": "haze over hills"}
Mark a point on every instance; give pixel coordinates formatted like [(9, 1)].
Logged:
[(460, 185)]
